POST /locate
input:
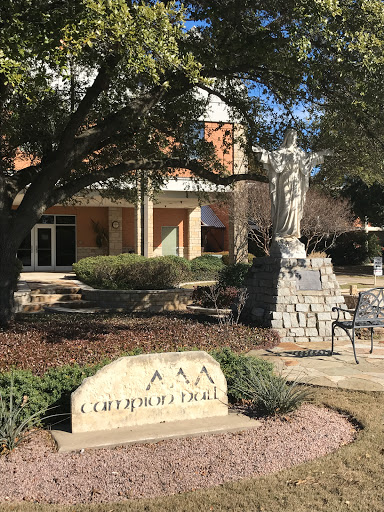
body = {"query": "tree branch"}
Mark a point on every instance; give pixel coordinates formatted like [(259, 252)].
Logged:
[(77, 119), (197, 168), (201, 171), (23, 177), (96, 137)]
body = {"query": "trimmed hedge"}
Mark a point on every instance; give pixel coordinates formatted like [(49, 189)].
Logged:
[(133, 272), (225, 258), (206, 267), (90, 270), (233, 275)]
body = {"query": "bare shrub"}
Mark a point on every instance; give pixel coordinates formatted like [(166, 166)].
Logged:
[(324, 219)]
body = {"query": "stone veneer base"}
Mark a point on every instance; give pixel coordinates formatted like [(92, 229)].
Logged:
[(294, 297)]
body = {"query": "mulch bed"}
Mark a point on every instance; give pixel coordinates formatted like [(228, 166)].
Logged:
[(47, 341)]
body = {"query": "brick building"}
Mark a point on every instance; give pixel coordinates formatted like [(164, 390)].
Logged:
[(169, 224)]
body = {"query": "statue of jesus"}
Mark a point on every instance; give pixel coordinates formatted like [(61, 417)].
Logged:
[(288, 169)]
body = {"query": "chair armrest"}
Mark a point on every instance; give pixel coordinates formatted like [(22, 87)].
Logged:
[(339, 310)]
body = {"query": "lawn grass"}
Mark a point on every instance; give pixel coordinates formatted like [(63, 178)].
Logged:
[(346, 286), (350, 479)]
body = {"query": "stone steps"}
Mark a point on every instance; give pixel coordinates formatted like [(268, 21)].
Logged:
[(78, 304), (54, 290), (65, 298), (50, 298), (89, 308), (45, 295)]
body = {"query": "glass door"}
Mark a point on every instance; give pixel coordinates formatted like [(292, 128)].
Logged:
[(44, 252), (51, 245), (25, 253), (65, 247)]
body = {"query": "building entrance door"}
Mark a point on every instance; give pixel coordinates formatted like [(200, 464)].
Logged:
[(51, 245), (169, 240), (44, 248)]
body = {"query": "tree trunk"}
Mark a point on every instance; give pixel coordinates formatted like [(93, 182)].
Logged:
[(14, 227), (8, 281)]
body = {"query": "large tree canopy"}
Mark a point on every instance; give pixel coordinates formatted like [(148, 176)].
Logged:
[(93, 91)]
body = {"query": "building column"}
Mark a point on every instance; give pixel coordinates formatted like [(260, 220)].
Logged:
[(148, 227), (194, 233), (138, 230), (144, 227), (238, 221), (115, 230)]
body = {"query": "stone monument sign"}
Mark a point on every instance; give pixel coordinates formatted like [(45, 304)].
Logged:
[(150, 388)]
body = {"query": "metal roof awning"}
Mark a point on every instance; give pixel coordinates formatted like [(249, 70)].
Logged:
[(209, 219)]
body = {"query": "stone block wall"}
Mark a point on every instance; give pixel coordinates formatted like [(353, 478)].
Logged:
[(153, 301), (85, 252), (294, 296)]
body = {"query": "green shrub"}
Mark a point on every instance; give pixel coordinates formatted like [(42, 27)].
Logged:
[(179, 269), (20, 384), (233, 275), (100, 271), (236, 367), (153, 273), (206, 267), (355, 248), (270, 394), (41, 393), (133, 272), (15, 420), (225, 258), (85, 268)]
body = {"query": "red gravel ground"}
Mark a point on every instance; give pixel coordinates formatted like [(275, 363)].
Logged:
[(36, 472)]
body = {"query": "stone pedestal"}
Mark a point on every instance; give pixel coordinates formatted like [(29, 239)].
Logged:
[(294, 296), (287, 248)]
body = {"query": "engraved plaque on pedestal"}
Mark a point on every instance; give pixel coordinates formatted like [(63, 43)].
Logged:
[(308, 280)]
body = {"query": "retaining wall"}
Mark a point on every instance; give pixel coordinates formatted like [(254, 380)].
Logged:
[(153, 301)]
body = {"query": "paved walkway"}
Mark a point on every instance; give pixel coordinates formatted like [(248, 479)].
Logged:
[(47, 277), (311, 363)]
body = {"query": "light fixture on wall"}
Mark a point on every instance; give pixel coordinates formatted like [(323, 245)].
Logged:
[(115, 224)]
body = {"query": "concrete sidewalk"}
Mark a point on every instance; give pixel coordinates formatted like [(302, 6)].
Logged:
[(360, 275), (49, 277)]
